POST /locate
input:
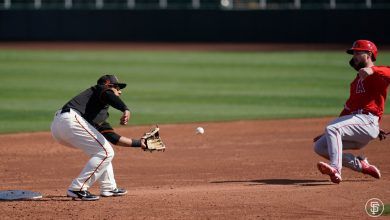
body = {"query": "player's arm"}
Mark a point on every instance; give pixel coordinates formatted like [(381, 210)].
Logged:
[(113, 100), (128, 142), (108, 132), (383, 71)]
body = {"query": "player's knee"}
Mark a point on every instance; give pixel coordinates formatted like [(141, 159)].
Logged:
[(110, 153), (320, 147), (107, 152), (317, 148), (330, 129)]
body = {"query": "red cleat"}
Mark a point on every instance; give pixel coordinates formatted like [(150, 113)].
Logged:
[(325, 168), (369, 169)]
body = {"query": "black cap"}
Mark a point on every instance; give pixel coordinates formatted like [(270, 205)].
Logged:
[(110, 80)]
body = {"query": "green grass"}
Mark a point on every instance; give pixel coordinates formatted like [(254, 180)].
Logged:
[(386, 210), (176, 87)]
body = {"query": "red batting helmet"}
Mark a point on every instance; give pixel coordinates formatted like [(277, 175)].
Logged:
[(364, 45)]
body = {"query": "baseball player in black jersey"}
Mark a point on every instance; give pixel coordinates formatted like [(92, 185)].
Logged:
[(81, 123)]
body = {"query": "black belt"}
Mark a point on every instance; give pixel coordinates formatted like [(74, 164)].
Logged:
[(65, 110)]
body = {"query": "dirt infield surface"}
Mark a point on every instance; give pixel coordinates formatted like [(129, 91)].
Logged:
[(236, 170)]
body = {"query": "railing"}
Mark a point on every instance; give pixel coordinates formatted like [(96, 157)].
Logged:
[(195, 4)]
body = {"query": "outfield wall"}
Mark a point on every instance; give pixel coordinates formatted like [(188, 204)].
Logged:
[(293, 26)]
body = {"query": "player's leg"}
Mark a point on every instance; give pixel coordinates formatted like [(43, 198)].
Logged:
[(353, 130), (321, 147), (72, 130), (356, 163), (358, 128), (366, 133), (346, 128), (108, 185), (107, 180), (359, 163), (349, 160), (87, 138)]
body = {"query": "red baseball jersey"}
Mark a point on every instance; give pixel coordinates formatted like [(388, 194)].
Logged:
[(369, 95)]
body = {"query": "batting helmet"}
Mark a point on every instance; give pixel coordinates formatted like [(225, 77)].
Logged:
[(364, 45)]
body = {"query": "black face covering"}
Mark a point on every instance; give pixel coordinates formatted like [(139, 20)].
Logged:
[(357, 66)]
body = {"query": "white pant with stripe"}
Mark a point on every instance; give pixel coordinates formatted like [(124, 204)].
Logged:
[(70, 129), (347, 132)]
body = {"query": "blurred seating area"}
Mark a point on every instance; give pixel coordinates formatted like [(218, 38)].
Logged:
[(193, 4)]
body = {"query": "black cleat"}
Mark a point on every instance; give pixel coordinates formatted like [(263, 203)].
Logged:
[(82, 195)]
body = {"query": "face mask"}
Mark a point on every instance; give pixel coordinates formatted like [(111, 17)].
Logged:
[(357, 66)]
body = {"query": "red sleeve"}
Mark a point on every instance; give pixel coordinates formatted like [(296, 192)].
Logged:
[(383, 71)]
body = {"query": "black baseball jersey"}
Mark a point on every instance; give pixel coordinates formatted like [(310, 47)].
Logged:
[(93, 104)]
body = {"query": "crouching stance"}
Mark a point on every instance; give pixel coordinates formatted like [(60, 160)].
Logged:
[(358, 122), (81, 123)]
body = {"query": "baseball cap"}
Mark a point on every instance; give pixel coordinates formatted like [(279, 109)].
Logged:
[(110, 80)]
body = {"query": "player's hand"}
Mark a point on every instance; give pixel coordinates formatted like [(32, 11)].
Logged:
[(125, 117), (382, 134), (143, 144), (364, 72)]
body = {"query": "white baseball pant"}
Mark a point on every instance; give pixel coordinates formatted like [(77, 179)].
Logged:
[(347, 132), (70, 129)]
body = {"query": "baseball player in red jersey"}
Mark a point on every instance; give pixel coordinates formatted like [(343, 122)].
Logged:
[(358, 122), (81, 123)]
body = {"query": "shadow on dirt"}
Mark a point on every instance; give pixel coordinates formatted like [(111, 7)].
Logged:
[(295, 182)]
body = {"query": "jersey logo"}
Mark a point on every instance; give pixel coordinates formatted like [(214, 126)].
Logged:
[(360, 86)]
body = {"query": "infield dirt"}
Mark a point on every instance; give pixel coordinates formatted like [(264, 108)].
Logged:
[(263, 169)]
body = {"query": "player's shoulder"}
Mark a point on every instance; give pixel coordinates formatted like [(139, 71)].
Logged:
[(101, 89), (382, 67)]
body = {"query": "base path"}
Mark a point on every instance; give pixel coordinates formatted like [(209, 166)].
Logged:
[(264, 169)]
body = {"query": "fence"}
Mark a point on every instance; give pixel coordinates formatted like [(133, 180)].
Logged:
[(194, 4)]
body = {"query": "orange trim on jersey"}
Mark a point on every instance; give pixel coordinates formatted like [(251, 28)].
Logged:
[(100, 145), (107, 131)]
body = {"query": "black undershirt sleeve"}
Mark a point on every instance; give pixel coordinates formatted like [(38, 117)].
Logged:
[(108, 132), (114, 101), (112, 137)]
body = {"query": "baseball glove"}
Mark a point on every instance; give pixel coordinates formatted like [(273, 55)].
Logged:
[(153, 141)]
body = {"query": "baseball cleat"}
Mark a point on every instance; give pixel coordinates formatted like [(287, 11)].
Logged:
[(115, 192), (82, 195), (369, 169), (325, 168)]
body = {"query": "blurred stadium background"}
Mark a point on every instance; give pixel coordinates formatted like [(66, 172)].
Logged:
[(195, 4), (279, 21)]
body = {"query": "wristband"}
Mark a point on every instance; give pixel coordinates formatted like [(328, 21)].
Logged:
[(136, 143)]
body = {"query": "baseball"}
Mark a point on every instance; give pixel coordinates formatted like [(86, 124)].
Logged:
[(199, 130)]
